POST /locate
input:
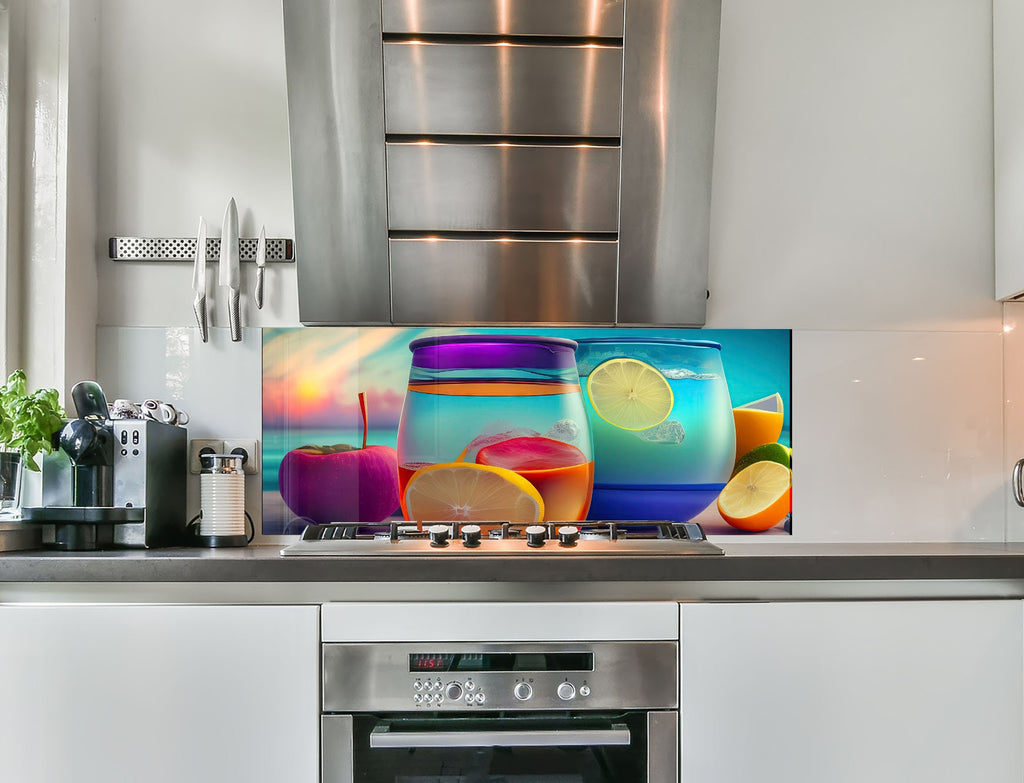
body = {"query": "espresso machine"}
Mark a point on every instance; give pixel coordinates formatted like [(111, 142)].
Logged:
[(112, 482)]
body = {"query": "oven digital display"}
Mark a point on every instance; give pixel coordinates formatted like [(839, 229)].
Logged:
[(502, 662)]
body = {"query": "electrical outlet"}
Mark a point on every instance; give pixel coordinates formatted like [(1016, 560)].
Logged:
[(198, 446), (249, 448)]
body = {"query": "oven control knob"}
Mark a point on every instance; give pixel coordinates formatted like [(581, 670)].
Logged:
[(522, 691), (536, 535), (568, 535), (438, 535), (584, 690), (566, 691), (453, 691), (471, 535)]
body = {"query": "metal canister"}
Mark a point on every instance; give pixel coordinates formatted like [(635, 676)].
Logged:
[(222, 499)]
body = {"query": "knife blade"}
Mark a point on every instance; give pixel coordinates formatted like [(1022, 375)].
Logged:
[(199, 281), (229, 273), (261, 262)]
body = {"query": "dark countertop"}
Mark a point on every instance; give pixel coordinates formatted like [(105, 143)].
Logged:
[(742, 562)]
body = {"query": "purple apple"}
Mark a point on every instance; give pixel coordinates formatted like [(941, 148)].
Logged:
[(340, 483)]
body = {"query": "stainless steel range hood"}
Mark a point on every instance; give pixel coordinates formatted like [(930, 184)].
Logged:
[(502, 161)]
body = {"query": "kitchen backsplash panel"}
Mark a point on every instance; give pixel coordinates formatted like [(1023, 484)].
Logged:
[(914, 451), (900, 436), (1013, 388), (666, 452)]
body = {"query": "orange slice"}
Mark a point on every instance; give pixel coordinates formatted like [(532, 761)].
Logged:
[(469, 492), (758, 497), (757, 423)]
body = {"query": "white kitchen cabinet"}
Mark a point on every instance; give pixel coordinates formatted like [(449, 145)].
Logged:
[(1008, 150), (161, 694), (850, 692)]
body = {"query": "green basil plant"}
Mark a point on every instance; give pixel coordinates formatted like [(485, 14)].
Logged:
[(28, 421)]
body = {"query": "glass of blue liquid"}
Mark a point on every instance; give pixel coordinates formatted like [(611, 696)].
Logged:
[(663, 430)]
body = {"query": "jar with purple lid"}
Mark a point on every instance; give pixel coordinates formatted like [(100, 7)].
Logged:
[(512, 401)]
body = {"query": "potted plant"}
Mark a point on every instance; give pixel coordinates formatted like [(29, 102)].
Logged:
[(28, 423)]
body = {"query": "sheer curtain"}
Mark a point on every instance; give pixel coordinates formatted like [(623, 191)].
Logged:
[(5, 189), (48, 143)]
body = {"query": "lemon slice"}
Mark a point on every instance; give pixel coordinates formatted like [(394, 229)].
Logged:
[(630, 394), (466, 491), (758, 497)]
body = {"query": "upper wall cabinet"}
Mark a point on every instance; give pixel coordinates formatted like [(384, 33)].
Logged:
[(1008, 124), (502, 161)]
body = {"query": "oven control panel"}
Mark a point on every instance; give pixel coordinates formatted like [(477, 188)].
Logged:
[(513, 676), (443, 693)]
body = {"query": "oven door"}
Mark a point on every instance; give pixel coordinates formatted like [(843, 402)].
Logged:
[(630, 747)]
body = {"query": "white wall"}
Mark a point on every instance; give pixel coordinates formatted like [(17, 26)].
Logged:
[(193, 112), (852, 203)]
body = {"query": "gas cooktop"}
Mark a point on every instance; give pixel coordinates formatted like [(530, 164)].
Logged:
[(551, 539)]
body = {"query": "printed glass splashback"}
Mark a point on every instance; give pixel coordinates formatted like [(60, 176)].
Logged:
[(528, 425)]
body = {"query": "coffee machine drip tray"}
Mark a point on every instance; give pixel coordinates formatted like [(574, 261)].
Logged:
[(91, 515), (78, 528)]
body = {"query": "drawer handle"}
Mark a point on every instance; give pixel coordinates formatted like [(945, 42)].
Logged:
[(383, 737)]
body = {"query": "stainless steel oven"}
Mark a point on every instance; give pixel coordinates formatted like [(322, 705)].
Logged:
[(516, 712)]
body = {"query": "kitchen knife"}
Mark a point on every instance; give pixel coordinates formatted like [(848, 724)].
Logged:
[(261, 262), (229, 274), (199, 281)]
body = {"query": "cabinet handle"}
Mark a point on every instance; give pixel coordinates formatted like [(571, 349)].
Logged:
[(1018, 488)]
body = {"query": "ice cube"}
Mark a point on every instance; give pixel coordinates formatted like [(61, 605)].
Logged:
[(565, 430), (666, 432)]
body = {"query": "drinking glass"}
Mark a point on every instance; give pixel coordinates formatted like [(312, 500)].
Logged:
[(674, 469), (470, 392)]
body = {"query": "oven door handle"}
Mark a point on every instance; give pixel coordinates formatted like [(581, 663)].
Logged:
[(383, 737)]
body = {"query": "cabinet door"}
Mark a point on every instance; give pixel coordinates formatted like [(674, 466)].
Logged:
[(1008, 150), (162, 694), (852, 692)]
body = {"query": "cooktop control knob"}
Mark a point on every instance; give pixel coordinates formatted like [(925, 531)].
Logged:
[(536, 535), (522, 691), (453, 691), (566, 691), (438, 535), (471, 535), (568, 535)]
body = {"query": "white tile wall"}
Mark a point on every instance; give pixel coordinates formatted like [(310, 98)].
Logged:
[(219, 384), (897, 436), (1013, 395)]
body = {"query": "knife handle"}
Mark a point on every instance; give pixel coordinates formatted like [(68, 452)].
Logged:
[(258, 294), (234, 317), (199, 306)]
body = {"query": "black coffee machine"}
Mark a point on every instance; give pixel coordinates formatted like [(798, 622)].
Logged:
[(114, 482)]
